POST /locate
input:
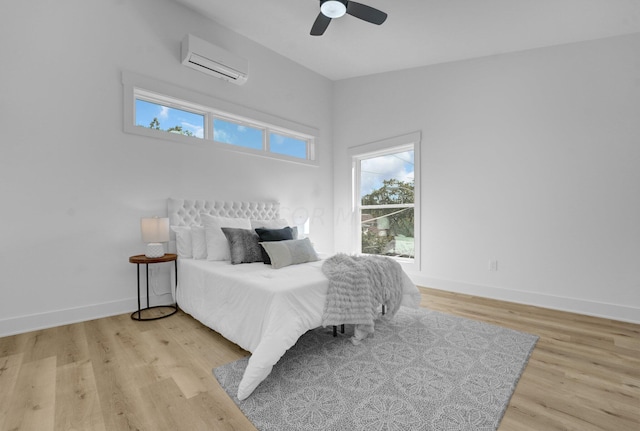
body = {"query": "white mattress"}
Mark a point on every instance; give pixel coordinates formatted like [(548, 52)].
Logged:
[(263, 310)]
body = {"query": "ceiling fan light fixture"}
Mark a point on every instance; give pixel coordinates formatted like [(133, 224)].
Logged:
[(333, 8)]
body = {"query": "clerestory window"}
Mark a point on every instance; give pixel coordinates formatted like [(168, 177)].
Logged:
[(156, 113)]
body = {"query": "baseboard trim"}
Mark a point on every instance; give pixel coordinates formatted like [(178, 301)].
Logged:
[(35, 322), (50, 319), (574, 305)]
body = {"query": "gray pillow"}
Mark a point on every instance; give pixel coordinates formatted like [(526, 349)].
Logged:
[(243, 245), (273, 235), (290, 252)]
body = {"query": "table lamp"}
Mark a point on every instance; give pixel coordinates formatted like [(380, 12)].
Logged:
[(155, 231)]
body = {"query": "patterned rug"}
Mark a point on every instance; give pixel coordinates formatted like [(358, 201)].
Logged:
[(421, 370)]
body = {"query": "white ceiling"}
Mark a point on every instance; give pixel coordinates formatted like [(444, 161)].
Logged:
[(418, 32)]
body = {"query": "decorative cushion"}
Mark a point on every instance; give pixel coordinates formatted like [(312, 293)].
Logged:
[(269, 224), (243, 245), (183, 241), (268, 235), (217, 244), (273, 224), (290, 252), (198, 242)]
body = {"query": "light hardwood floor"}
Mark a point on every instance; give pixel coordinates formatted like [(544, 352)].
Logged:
[(118, 374)]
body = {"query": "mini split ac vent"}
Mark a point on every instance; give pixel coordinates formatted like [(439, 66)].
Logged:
[(207, 58)]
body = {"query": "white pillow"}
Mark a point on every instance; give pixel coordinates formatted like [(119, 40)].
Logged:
[(290, 252), (269, 224), (198, 242), (183, 241), (217, 244)]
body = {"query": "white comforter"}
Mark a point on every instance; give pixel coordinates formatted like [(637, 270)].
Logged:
[(263, 310)]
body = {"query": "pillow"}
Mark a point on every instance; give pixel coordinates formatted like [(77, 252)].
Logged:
[(183, 241), (275, 234), (269, 224), (268, 235), (290, 252), (198, 242), (243, 245), (217, 244)]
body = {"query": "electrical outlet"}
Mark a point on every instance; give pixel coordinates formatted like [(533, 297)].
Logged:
[(493, 265)]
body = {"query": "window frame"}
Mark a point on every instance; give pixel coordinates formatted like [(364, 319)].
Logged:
[(376, 149), (154, 91)]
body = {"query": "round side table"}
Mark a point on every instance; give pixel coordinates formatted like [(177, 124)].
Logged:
[(141, 259)]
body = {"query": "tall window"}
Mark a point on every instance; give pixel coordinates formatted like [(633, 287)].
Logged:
[(385, 198)]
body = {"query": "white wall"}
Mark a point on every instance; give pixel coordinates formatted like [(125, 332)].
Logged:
[(74, 186), (531, 158)]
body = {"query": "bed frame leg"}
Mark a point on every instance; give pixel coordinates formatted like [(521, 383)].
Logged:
[(335, 331)]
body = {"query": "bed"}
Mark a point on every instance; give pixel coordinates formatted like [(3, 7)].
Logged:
[(261, 309)]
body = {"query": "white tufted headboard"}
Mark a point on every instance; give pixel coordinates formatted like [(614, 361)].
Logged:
[(186, 212)]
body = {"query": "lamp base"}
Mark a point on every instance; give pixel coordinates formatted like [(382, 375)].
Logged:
[(154, 249)]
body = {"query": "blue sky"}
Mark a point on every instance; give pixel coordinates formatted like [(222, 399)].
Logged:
[(169, 117), (224, 131), (237, 134), (374, 170)]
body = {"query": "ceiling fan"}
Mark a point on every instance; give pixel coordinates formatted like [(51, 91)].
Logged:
[(330, 9)]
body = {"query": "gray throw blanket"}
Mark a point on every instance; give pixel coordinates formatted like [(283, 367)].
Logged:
[(358, 285)]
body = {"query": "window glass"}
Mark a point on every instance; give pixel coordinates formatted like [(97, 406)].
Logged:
[(241, 135), (387, 179), (287, 145), (387, 200), (169, 119), (388, 231)]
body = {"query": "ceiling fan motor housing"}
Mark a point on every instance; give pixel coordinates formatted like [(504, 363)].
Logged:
[(330, 9), (333, 8)]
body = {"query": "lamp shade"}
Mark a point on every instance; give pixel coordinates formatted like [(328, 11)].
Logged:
[(154, 229)]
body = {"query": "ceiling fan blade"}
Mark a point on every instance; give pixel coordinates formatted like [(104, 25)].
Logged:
[(366, 13), (320, 25)]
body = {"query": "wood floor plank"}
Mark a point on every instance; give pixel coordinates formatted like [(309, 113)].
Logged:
[(77, 400), (116, 374), (32, 407), (173, 362), (204, 345), (550, 415), (171, 408), (12, 345), (116, 378), (220, 412), (9, 369)]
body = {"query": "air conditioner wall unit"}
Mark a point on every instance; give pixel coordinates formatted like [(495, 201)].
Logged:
[(207, 58)]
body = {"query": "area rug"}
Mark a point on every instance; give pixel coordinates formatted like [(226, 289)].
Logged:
[(421, 370)]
